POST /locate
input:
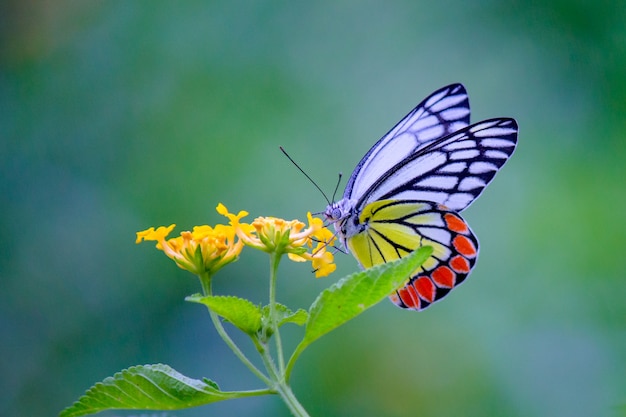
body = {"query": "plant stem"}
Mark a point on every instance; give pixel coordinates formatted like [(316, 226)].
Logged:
[(250, 393), (207, 290), (268, 361), (281, 386), (292, 402), (275, 380), (294, 356), (274, 261)]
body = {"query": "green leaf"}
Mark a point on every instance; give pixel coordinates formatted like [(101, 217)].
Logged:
[(285, 315), (148, 387), (240, 312), (299, 317), (356, 293)]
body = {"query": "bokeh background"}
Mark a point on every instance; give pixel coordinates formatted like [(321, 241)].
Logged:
[(116, 116)]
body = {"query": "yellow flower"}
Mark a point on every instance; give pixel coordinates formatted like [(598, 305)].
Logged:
[(274, 235), (321, 259), (320, 232), (206, 249)]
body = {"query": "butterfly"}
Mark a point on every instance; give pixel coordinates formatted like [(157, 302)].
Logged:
[(408, 189)]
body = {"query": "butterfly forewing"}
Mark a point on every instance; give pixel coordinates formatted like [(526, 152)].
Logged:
[(442, 113), (451, 171), (394, 228)]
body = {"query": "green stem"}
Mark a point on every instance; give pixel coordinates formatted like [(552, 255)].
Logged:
[(292, 402), (294, 356), (274, 261), (276, 381), (205, 280), (282, 388), (268, 361), (250, 393)]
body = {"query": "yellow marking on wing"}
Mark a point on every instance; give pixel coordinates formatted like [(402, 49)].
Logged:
[(384, 241)]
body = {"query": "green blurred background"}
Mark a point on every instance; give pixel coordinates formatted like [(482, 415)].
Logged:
[(116, 116)]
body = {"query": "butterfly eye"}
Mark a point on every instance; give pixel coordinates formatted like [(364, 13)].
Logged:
[(335, 212)]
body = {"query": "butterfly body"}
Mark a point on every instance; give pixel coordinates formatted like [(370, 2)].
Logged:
[(407, 190)]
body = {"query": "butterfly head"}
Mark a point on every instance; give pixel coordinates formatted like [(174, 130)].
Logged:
[(338, 213), (339, 210)]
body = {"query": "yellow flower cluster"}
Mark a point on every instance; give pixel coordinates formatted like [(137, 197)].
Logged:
[(206, 249), (274, 235)]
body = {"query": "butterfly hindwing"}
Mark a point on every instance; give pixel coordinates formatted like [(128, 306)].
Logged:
[(443, 112), (393, 228)]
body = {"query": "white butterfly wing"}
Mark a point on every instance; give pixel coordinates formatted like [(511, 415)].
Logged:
[(440, 114), (451, 171)]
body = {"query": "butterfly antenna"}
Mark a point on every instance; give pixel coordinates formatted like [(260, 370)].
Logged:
[(337, 186), (305, 174)]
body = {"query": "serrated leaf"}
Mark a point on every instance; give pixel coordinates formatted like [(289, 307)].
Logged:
[(357, 292), (147, 387), (299, 317), (285, 315), (240, 312)]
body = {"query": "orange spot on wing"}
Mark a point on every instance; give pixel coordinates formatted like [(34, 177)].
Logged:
[(464, 246), (425, 288), (460, 264), (455, 223), (409, 297), (444, 277)]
